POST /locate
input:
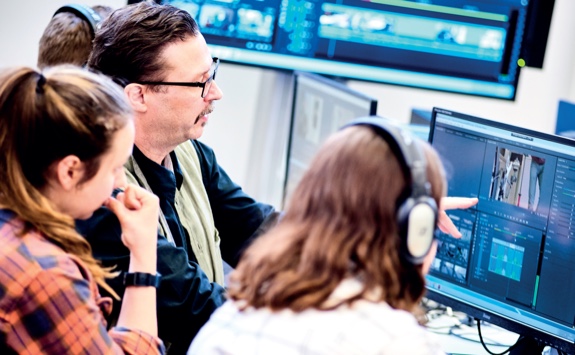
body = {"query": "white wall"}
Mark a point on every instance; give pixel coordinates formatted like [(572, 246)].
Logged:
[(22, 23), (247, 134)]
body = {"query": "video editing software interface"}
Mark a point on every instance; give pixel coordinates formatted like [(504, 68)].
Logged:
[(516, 259), (321, 106), (469, 46)]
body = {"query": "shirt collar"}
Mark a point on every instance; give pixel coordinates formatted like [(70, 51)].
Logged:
[(156, 174)]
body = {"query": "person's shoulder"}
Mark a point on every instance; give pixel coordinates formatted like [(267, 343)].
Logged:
[(372, 328), (26, 250), (27, 257), (228, 310), (399, 331), (231, 315), (49, 256), (384, 316), (16, 258)]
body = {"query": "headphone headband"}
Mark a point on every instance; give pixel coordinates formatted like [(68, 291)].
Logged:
[(406, 149), (84, 12)]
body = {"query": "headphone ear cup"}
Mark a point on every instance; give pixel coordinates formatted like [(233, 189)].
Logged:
[(417, 219)]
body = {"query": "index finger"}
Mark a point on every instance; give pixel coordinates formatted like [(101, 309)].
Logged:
[(450, 203)]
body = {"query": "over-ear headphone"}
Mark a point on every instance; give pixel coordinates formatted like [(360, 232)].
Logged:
[(84, 12), (417, 214)]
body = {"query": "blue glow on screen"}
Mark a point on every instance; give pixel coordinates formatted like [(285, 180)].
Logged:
[(468, 47), (362, 72), (513, 264)]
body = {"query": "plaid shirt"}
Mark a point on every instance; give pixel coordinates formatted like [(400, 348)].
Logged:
[(49, 302)]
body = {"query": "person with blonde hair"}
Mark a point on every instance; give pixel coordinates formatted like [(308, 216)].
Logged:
[(344, 268), (67, 39), (65, 135)]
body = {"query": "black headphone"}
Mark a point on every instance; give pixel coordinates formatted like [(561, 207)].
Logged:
[(84, 12), (417, 214)]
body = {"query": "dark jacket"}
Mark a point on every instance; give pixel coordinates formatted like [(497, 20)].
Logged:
[(186, 298)]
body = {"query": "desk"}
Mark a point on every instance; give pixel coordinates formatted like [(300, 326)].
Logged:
[(457, 338)]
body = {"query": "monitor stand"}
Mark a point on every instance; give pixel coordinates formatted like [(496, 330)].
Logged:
[(527, 346)]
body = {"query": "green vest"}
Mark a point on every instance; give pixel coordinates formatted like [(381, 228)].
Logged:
[(193, 208)]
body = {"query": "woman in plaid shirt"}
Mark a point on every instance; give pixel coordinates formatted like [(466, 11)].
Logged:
[(64, 137)]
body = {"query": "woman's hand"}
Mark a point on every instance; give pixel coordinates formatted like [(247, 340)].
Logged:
[(137, 210), (445, 223)]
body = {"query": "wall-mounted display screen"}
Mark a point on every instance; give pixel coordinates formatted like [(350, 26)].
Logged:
[(469, 47)]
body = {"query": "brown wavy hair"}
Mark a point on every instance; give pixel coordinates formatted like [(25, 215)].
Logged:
[(340, 222), (44, 118), (130, 41)]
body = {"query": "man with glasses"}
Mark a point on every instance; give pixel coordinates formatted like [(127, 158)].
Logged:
[(206, 85), (158, 55)]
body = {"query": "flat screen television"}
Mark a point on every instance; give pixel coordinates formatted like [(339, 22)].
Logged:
[(471, 47), (515, 264), (320, 107)]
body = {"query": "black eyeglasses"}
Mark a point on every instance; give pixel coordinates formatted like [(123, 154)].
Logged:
[(206, 85)]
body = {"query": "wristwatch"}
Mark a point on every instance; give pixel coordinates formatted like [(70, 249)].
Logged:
[(142, 279)]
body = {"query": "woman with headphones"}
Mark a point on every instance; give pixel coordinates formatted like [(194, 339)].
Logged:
[(344, 269)]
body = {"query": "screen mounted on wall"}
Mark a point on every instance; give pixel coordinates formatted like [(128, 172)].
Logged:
[(469, 47)]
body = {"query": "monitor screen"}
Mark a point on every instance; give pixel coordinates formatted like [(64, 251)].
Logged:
[(515, 264), (320, 107), (469, 47)]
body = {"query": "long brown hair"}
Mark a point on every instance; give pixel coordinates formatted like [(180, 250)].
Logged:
[(44, 118), (340, 222)]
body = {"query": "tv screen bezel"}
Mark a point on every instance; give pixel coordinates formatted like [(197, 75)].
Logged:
[(389, 75), (475, 311)]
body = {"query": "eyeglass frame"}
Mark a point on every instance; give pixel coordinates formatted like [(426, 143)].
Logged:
[(196, 84)]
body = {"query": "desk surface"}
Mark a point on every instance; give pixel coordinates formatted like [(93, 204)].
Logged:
[(457, 338)]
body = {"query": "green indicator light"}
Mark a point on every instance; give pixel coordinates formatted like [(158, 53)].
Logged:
[(521, 62), (535, 293)]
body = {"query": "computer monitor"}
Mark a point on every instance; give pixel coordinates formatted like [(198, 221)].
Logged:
[(471, 47), (320, 107), (565, 125), (515, 264)]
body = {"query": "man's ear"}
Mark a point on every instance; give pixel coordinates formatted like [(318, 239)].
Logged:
[(136, 97), (69, 172)]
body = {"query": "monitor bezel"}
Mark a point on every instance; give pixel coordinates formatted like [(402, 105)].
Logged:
[(477, 312), (395, 75)]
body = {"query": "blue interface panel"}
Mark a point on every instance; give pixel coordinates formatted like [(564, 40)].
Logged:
[(469, 47), (516, 259)]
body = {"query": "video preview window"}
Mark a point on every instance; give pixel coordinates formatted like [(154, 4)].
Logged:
[(518, 179)]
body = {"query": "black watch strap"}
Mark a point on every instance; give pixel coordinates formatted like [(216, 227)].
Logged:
[(142, 279)]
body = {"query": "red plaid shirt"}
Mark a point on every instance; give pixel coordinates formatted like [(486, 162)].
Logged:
[(49, 302)]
